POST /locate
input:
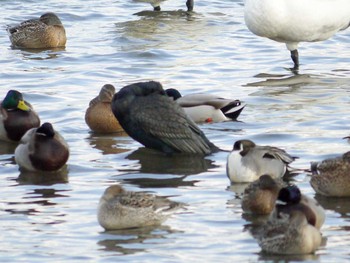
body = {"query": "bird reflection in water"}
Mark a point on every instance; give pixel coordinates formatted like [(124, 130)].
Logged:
[(43, 178), (339, 205), (158, 163), (122, 241), (108, 143), (33, 204), (162, 167)]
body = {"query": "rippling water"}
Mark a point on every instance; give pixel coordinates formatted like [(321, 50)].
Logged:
[(211, 50)]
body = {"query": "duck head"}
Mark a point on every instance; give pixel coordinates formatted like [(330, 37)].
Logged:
[(243, 146), (14, 100), (290, 194)]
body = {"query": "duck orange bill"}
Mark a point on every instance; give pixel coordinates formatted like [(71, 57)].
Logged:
[(23, 106)]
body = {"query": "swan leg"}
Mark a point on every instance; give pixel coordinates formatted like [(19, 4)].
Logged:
[(190, 4), (295, 57)]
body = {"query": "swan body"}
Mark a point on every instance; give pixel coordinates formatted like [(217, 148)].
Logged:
[(294, 21)]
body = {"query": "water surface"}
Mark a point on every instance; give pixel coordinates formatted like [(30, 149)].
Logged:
[(211, 50)]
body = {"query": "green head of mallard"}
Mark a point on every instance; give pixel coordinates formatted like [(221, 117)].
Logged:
[(14, 100)]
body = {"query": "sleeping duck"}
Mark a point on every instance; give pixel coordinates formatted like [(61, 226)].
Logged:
[(206, 107), (42, 149), (99, 116), (16, 117)]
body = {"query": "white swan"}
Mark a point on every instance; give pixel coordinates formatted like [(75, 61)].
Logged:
[(294, 21)]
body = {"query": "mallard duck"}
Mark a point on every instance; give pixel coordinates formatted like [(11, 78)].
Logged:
[(292, 21), (42, 149), (331, 177), (290, 198), (248, 161), (45, 32), (156, 4), (150, 117), (121, 209), (260, 196), (289, 234), (206, 107), (16, 117), (99, 116)]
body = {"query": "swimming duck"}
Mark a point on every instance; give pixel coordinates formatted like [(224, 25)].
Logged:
[(289, 234), (331, 177), (206, 107), (99, 116), (121, 209), (45, 32), (156, 4), (290, 198), (155, 120), (42, 149), (292, 21), (260, 196), (248, 161), (16, 117)]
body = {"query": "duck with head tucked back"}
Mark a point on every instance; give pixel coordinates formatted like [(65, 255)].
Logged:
[(150, 117), (331, 177), (294, 21), (290, 198), (156, 4), (45, 32), (248, 161), (16, 117), (207, 107), (121, 209), (42, 149), (99, 116)]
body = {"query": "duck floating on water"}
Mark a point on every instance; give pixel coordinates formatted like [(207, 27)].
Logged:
[(206, 107), (248, 161), (121, 209), (289, 234), (331, 177), (42, 149), (16, 117), (99, 116), (260, 196), (45, 32), (290, 198)]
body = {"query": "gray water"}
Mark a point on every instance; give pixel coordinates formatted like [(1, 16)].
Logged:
[(54, 219)]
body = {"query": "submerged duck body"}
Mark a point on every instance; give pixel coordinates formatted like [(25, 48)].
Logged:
[(99, 116), (331, 177), (45, 32), (294, 21), (150, 117), (42, 149), (248, 161), (156, 4), (206, 107), (121, 209), (16, 117)]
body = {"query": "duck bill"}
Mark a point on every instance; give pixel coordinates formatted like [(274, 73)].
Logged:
[(23, 106)]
